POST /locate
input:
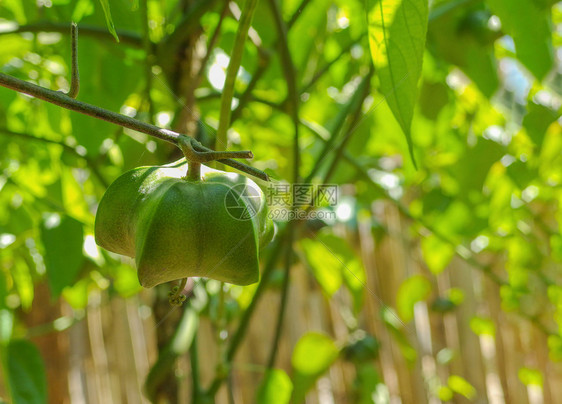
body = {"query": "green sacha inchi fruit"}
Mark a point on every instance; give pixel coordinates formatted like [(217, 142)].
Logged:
[(176, 228)]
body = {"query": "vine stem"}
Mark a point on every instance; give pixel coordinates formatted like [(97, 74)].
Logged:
[(238, 335), (64, 101), (149, 49), (127, 37), (232, 71), (75, 75), (284, 296), (194, 360), (293, 106)]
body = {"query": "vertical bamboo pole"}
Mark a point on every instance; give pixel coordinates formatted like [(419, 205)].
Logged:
[(463, 276), (100, 370)]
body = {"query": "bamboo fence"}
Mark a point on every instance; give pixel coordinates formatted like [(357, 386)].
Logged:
[(105, 357)]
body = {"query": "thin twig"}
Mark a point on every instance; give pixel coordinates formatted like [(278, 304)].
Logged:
[(232, 72), (284, 295), (363, 90), (126, 37), (324, 69), (247, 94), (340, 119), (62, 100), (149, 58), (212, 42), (187, 147), (168, 48), (89, 162), (194, 361), (290, 76), (293, 105), (265, 57), (75, 74), (298, 13)]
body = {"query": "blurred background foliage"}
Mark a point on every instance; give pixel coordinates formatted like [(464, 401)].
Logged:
[(485, 132)]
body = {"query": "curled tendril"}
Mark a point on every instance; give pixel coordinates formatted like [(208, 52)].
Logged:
[(176, 297)]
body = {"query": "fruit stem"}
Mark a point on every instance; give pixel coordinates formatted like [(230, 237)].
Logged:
[(176, 296), (194, 171)]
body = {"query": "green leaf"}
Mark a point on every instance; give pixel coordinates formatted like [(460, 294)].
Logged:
[(6, 325), (361, 348), (530, 377), (397, 31), (26, 373), (436, 253), (24, 282), (63, 238), (482, 326), (82, 8), (367, 382), (334, 262), (537, 121), (108, 19), (324, 266), (530, 28), (454, 44), (460, 386), (555, 348), (473, 167), (276, 388), (411, 291), (313, 355), (77, 294)]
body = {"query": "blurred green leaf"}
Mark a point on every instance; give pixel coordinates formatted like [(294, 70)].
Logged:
[(77, 294), (367, 381), (397, 31), (21, 274), (411, 291), (464, 49), (555, 348), (396, 327), (434, 96), (361, 347), (445, 393), (324, 266), (529, 26), (537, 120), (333, 261), (275, 388), (460, 386), (108, 19), (530, 377), (6, 325), (483, 326), (126, 281), (62, 238), (472, 169), (25, 372), (436, 253), (312, 356)]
